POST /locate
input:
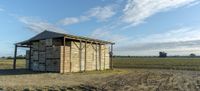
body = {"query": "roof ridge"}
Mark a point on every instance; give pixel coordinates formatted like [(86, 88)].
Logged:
[(46, 34)]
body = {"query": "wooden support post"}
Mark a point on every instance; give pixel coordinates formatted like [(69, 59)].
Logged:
[(111, 57), (85, 55), (96, 55), (15, 58), (99, 56), (70, 57), (29, 65), (45, 61), (80, 55), (63, 70), (104, 54)]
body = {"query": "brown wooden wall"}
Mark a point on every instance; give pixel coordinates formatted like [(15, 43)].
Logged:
[(78, 56), (87, 57), (44, 56)]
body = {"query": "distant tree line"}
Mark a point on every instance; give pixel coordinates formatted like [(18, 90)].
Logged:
[(118, 56), (18, 57), (161, 55)]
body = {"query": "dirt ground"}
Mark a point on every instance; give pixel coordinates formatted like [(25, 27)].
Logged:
[(149, 80), (22, 79), (117, 80)]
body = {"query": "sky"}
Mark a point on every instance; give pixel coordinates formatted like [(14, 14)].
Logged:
[(138, 27)]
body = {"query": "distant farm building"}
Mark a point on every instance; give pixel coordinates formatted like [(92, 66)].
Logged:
[(162, 54), (58, 52)]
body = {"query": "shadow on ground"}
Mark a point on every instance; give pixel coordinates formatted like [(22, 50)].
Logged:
[(17, 72)]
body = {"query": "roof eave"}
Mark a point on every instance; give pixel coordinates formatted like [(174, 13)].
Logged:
[(67, 36), (87, 39)]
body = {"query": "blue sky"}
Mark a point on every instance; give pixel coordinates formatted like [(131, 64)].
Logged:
[(138, 27)]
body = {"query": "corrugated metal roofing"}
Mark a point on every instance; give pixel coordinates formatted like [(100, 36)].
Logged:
[(50, 35)]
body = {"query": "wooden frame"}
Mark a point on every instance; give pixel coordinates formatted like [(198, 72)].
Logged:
[(14, 60), (99, 56), (80, 55), (15, 54), (98, 52), (70, 58), (111, 57), (85, 56), (30, 58)]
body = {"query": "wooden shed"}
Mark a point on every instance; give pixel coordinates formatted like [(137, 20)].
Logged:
[(58, 52)]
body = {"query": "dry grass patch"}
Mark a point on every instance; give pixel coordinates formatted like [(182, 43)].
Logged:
[(51, 80), (145, 80), (8, 63)]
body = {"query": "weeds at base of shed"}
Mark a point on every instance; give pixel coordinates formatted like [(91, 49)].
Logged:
[(108, 71)]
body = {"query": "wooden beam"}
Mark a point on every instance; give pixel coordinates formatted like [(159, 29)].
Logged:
[(95, 48), (80, 55), (22, 46), (104, 56), (99, 56), (63, 70), (111, 57), (46, 59), (96, 55), (70, 57), (89, 40), (76, 45), (29, 65), (85, 55), (80, 48), (15, 58)]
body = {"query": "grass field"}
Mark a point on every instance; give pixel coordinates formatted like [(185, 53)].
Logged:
[(150, 63), (8, 63), (158, 63)]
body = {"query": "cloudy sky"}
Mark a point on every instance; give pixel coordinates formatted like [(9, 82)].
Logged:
[(138, 27)]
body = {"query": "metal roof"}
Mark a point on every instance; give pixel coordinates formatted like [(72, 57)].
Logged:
[(50, 34)]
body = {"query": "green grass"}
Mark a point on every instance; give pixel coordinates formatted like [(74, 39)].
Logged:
[(158, 63), (8, 63), (149, 63)]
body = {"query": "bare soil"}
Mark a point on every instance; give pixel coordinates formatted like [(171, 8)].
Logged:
[(117, 80), (26, 80), (149, 80)]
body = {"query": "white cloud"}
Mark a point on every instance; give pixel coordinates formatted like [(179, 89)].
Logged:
[(102, 13), (162, 46), (181, 41), (98, 33), (136, 11), (106, 33), (173, 48), (193, 4), (180, 34), (39, 25), (73, 20), (173, 52), (69, 20)]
